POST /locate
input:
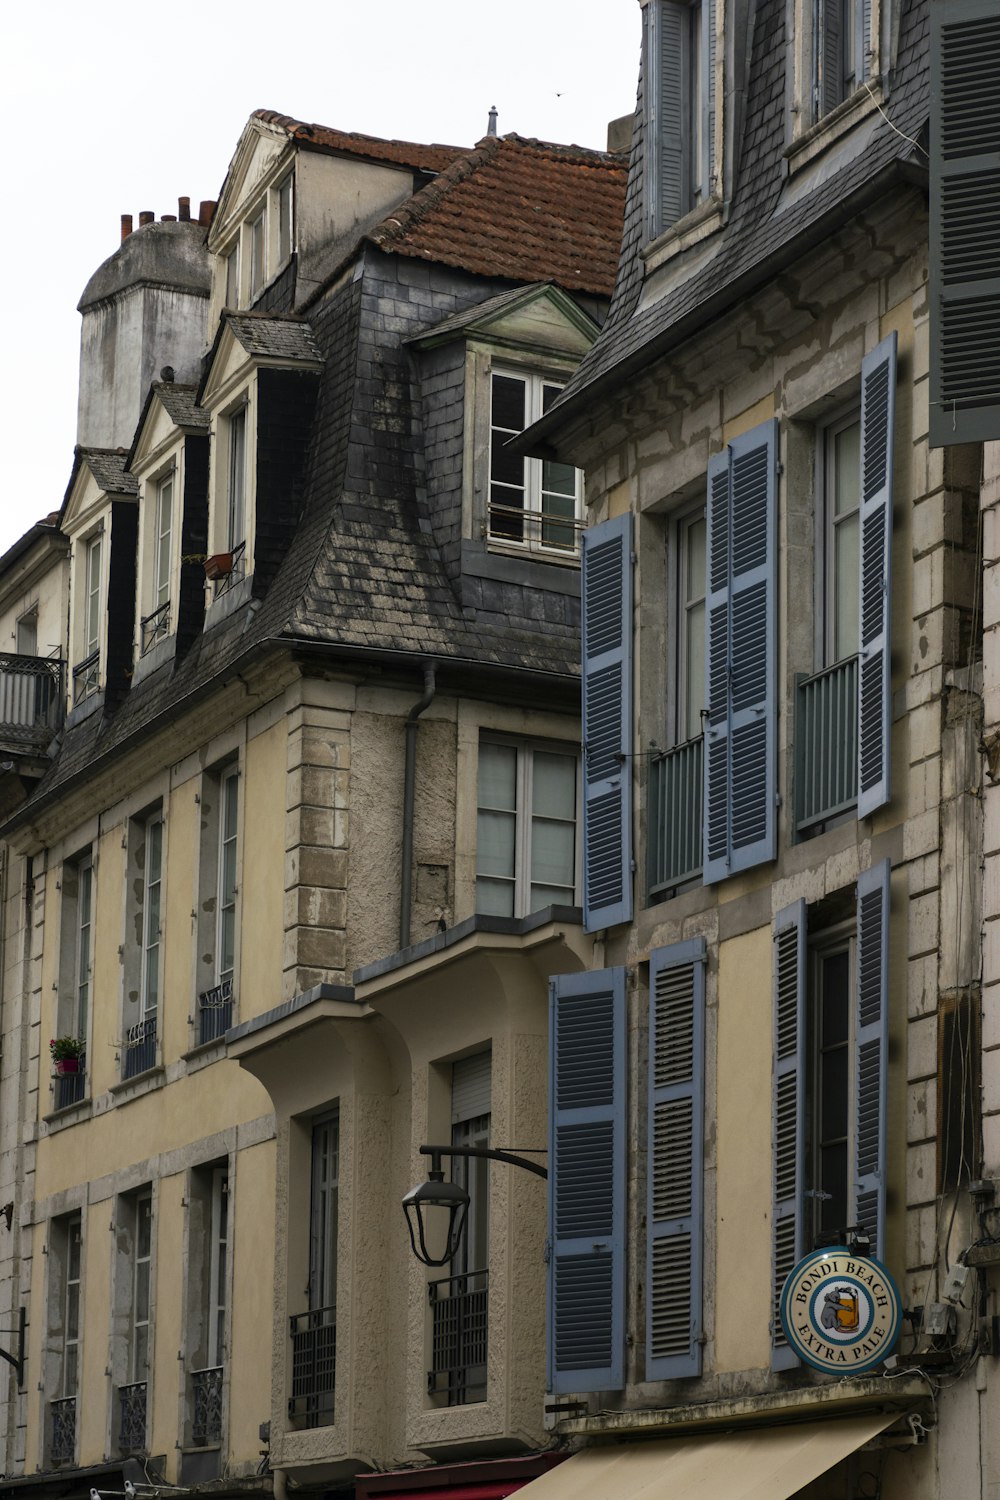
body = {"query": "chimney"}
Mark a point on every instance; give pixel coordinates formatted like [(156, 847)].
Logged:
[(620, 133), (168, 219), (126, 226), (146, 217), (206, 212), (491, 128), (184, 210)]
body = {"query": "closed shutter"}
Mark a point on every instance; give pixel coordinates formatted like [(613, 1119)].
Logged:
[(741, 655), (586, 1305), (829, 55), (788, 1223), (674, 1192), (708, 93), (607, 723), (964, 222), (470, 1087), (871, 1035), (878, 415), (865, 48), (666, 87)]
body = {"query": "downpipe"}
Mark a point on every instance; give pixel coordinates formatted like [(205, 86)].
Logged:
[(409, 782)]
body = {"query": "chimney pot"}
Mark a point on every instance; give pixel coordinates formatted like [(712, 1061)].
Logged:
[(169, 219), (146, 217), (126, 226), (184, 209), (491, 128), (206, 212)]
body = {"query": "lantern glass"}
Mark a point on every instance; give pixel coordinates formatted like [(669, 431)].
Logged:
[(435, 1216)]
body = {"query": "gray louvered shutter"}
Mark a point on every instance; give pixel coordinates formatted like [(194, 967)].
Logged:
[(717, 797), (607, 723), (788, 1209), (666, 88), (829, 55), (878, 416), (674, 1215), (587, 1187), (871, 1035), (964, 222), (708, 92), (864, 40)]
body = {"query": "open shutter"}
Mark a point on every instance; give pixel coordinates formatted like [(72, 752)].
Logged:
[(788, 1223), (665, 88), (708, 94), (586, 1307), (878, 415), (964, 222), (607, 723), (829, 56), (741, 777), (871, 1033), (675, 1191), (865, 50)]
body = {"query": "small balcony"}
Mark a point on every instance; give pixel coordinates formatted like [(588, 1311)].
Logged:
[(86, 677), (140, 1048), (674, 824), (826, 744), (62, 1414), (459, 1320), (154, 628), (31, 692), (215, 1012), (314, 1366), (132, 1417), (206, 1406), (71, 1088)]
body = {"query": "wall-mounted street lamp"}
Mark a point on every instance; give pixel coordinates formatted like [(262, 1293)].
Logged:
[(436, 1210)]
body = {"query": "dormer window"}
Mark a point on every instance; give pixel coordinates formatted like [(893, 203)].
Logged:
[(236, 492), (87, 671), (257, 258), (284, 198), (533, 503), (260, 245), (680, 109), (156, 625), (232, 263), (840, 51)]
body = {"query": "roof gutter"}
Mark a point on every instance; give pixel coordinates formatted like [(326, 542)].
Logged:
[(542, 438)]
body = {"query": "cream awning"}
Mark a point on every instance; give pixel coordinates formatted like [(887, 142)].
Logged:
[(765, 1463)]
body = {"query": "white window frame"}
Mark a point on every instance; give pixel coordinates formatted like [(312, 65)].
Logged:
[(71, 1341), (228, 837), (468, 1129), (526, 750), (152, 941), (532, 540), (324, 1210), (89, 586), (839, 939), (238, 419), (829, 522), (218, 1299), (26, 625), (142, 1263), (856, 52), (284, 220), (83, 958), (681, 603), (256, 230), (231, 260)]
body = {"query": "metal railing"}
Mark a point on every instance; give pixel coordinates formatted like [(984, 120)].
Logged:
[(826, 743), (674, 823), (71, 1087), (206, 1406), (229, 580), (132, 1417), (31, 689), (460, 1317), (533, 528), (62, 1449), (154, 627), (87, 676), (140, 1048), (215, 1012), (314, 1365)]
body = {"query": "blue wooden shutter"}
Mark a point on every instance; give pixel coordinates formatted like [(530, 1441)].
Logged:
[(741, 775), (788, 1208), (708, 94), (674, 1215), (829, 56), (607, 723), (878, 415), (587, 1187), (964, 222), (871, 1036), (666, 89)]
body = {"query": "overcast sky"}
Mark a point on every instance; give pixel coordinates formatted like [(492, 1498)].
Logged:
[(115, 107)]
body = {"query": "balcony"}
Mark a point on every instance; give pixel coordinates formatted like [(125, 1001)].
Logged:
[(314, 1366), (459, 1313), (154, 628), (63, 1428), (140, 1048), (206, 1406), (676, 794), (132, 1417), (31, 690), (86, 677), (215, 1012), (826, 744), (71, 1088)]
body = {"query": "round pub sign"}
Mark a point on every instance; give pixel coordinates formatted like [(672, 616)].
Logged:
[(840, 1311)]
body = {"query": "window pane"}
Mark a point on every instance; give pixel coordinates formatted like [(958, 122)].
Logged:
[(237, 471), (554, 785), (495, 898), (847, 468), (495, 843), (141, 1352), (694, 670), (695, 541), (505, 467), (549, 394), (846, 602), (553, 852), (833, 1180), (70, 1370), (73, 1310), (558, 479), (144, 1227), (497, 774), (836, 980), (233, 277), (508, 403), (285, 220)]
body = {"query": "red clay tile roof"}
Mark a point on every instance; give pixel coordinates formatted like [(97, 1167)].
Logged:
[(520, 209), (350, 143)]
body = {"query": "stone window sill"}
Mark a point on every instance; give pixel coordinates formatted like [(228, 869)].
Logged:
[(61, 1119), (833, 127), (204, 1053), (142, 1083), (698, 225)]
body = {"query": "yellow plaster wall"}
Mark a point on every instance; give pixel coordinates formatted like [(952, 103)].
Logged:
[(262, 873), (743, 1116), (252, 1241), (747, 420)]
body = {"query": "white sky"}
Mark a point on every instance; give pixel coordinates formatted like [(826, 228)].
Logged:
[(117, 106)]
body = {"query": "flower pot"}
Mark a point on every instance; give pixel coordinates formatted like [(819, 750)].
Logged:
[(220, 565), (67, 1065)]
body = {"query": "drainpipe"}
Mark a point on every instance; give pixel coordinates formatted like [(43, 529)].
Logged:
[(409, 777)]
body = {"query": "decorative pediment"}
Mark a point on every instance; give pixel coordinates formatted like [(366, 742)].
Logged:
[(99, 476), (169, 413), (247, 340), (262, 151), (539, 317)]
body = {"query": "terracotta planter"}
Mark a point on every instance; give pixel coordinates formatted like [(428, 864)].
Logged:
[(219, 565), (66, 1065)]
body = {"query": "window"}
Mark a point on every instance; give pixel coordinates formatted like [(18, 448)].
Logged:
[(87, 673), (533, 503), (151, 916), (232, 263), (132, 1325), (679, 77), (26, 634), (285, 201), (143, 950), (828, 1086), (257, 254), (142, 1254), (65, 1271), (841, 51), (842, 520), (236, 488), (217, 885), (526, 831), (207, 1301), (75, 956), (314, 1333), (689, 536), (155, 626)]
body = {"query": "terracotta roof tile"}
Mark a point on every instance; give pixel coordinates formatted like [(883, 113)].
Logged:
[(520, 209), (421, 158)]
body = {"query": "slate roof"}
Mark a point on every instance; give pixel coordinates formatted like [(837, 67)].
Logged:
[(522, 209), (474, 317), (108, 466), (268, 334), (772, 218), (180, 404), (421, 158)]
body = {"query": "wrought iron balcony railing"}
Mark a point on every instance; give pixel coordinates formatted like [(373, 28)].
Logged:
[(71, 1087), (132, 1417), (215, 1011), (460, 1316), (223, 581), (206, 1406), (826, 743), (154, 627), (86, 677), (549, 528), (314, 1365), (140, 1048), (674, 824), (31, 692), (62, 1449)]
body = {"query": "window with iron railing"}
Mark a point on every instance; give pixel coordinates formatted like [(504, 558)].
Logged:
[(675, 792), (459, 1333), (62, 1420), (534, 504), (206, 1406), (314, 1366), (826, 744), (31, 689), (132, 1417)]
